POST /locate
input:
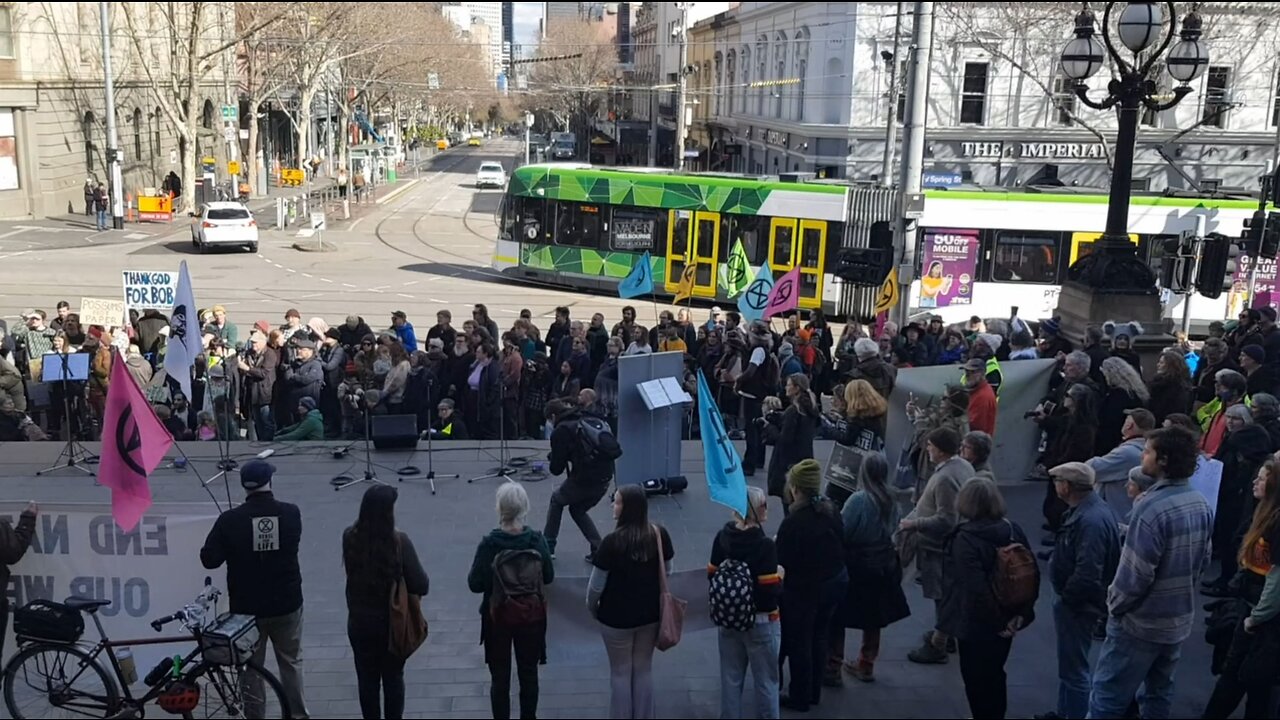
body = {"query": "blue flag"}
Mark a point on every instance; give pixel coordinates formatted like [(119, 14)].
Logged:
[(723, 466), (755, 298), (639, 281)]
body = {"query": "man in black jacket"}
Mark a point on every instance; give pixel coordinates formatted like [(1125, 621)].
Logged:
[(258, 368), (259, 543), (586, 484), (14, 542), (305, 376)]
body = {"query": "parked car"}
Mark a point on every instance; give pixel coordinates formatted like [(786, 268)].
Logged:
[(224, 224), (474, 142), (491, 174)]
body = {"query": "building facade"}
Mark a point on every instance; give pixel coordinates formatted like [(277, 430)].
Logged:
[(805, 87), (53, 105)]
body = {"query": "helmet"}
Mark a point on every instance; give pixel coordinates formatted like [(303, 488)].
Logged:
[(181, 697)]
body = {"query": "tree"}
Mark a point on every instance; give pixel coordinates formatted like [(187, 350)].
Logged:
[(570, 74), (259, 61), (196, 34)]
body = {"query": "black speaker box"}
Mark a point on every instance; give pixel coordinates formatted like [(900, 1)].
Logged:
[(395, 432)]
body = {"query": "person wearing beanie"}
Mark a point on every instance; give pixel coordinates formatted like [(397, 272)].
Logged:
[(1052, 343), (1260, 377), (811, 552), (258, 541), (872, 368), (1082, 566), (926, 529), (790, 363), (1266, 415), (984, 349), (311, 427)]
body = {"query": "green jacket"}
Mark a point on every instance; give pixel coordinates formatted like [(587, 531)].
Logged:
[(311, 428), (480, 579)]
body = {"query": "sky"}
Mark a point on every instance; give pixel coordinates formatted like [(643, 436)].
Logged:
[(525, 16)]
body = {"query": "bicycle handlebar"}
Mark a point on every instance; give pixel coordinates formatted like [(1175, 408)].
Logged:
[(192, 614), (159, 623)]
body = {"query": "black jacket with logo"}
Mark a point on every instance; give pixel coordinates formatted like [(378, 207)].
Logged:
[(258, 541), (566, 451)]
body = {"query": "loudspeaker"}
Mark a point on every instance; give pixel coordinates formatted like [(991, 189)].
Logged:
[(395, 432)]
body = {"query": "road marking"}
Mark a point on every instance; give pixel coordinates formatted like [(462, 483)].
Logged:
[(407, 297), (411, 283), (348, 285), (290, 270), (11, 233), (324, 279), (436, 300), (306, 275), (137, 236)]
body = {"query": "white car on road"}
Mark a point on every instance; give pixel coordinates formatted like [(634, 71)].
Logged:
[(491, 174), (224, 224)]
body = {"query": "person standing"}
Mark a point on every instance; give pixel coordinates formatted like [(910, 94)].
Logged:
[(258, 541), (623, 594), (587, 481), (376, 555), (14, 541), (1152, 600), (516, 558), (982, 398), (403, 329), (1083, 564), (259, 368), (100, 203)]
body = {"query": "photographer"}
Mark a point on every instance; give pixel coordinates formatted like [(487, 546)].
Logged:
[(304, 376)]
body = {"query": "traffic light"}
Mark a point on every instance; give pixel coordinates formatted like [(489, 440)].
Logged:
[(868, 266), (1217, 265), (1271, 237), (1176, 264), (1251, 237)]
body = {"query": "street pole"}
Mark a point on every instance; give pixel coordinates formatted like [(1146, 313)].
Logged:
[(913, 150), (113, 141), (891, 124), (1197, 249), (681, 124)]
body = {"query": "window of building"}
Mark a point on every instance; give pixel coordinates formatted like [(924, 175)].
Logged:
[(86, 19), (1149, 117), (87, 129), (731, 80), (1275, 100), (802, 69), (719, 86), (1217, 96), (1064, 100), (137, 134), (780, 60), (578, 224), (6, 31), (155, 132), (8, 151), (973, 100), (206, 117), (1025, 257)]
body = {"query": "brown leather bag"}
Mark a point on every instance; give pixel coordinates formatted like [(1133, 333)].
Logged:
[(671, 609), (408, 626)]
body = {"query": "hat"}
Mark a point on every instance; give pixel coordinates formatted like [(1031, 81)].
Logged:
[(1075, 474), (1051, 326), (307, 402), (262, 326), (1142, 418), (865, 348), (975, 364), (991, 340), (935, 318), (1141, 479), (1255, 352), (256, 474), (399, 314), (806, 475), (805, 335), (1265, 404), (333, 334), (304, 344), (1268, 312), (1127, 330), (293, 312), (435, 343), (1216, 325), (786, 350)]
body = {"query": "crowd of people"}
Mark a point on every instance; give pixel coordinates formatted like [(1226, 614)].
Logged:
[(1146, 475)]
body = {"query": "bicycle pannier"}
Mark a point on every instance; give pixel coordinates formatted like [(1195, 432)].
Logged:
[(48, 620), (230, 641)]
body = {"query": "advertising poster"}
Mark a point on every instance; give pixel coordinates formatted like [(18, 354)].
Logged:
[(947, 272), (1264, 285)]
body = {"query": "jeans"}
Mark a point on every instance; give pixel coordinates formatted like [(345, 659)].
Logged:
[(1075, 637), (806, 627), (528, 643), (630, 670), (758, 649), (754, 457), (264, 425), (378, 673), (982, 662), (579, 497), (1126, 664), (285, 634), (102, 219)]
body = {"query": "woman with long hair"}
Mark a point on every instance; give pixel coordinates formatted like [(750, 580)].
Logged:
[(1170, 387), (1245, 448), (1260, 587), (861, 427), (623, 594), (1075, 442), (376, 555), (791, 434), (483, 400), (500, 632), (1124, 390), (397, 380), (874, 599)]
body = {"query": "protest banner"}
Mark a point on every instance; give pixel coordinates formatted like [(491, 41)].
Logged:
[(149, 290), (104, 313)]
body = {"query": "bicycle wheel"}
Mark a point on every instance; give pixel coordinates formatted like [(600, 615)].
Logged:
[(58, 681), (248, 691)]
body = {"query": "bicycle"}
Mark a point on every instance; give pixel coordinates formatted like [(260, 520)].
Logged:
[(71, 677)]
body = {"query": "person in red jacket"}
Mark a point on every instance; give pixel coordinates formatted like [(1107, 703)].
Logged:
[(982, 398)]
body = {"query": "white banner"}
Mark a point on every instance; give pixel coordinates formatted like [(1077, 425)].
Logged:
[(149, 290), (146, 574), (105, 313)]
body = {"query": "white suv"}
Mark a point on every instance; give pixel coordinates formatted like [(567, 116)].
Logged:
[(491, 174), (225, 224)]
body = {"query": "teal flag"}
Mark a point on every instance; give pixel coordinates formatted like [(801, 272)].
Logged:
[(725, 480), (639, 281)]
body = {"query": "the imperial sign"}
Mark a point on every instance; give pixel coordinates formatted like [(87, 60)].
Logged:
[(1033, 150)]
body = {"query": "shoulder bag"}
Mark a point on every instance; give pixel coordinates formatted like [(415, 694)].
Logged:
[(408, 627), (671, 609)]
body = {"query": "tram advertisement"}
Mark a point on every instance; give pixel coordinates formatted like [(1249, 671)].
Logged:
[(950, 262)]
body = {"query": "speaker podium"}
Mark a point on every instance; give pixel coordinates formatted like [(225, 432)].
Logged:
[(651, 405)]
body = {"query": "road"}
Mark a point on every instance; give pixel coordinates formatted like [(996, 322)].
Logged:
[(425, 249)]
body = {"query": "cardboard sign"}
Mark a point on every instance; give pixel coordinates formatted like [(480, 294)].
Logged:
[(144, 290), (104, 313)]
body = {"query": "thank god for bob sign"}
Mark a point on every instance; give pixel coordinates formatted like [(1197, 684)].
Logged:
[(149, 289), (147, 573)]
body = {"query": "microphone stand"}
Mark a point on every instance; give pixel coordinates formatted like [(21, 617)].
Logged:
[(409, 470), (504, 470), (225, 463), (76, 455), (342, 482)]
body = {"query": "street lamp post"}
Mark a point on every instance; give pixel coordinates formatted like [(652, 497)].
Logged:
[(1113, 267)]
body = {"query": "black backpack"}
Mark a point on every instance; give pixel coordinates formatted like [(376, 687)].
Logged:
[(517, 598), (596, 441)]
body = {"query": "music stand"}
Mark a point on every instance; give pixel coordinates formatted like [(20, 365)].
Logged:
[(70, 368)]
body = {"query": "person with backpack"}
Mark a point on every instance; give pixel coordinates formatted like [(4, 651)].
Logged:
[(744, 591), (511, 567), (991, 586), (376, 556), (583, 445)]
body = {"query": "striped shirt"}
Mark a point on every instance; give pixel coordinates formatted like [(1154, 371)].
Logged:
[(1154, 592)]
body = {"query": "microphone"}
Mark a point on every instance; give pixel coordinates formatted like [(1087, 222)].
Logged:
[(266, 454)]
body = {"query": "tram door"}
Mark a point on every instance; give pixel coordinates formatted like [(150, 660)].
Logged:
[(693, 237), (800, 242)]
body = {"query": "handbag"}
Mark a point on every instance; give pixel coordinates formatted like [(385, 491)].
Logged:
[(671, 609), (906, 476), (408, 627)]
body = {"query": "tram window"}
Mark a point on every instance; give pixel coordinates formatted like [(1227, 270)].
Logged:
[(680, 234), (634, 229), (784, 237), (753, 231), (810, 249), (528, 218), (1025, 257), (578, 225)]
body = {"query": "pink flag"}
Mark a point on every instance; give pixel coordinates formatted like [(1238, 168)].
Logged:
[(785, 294), (134, 442)]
